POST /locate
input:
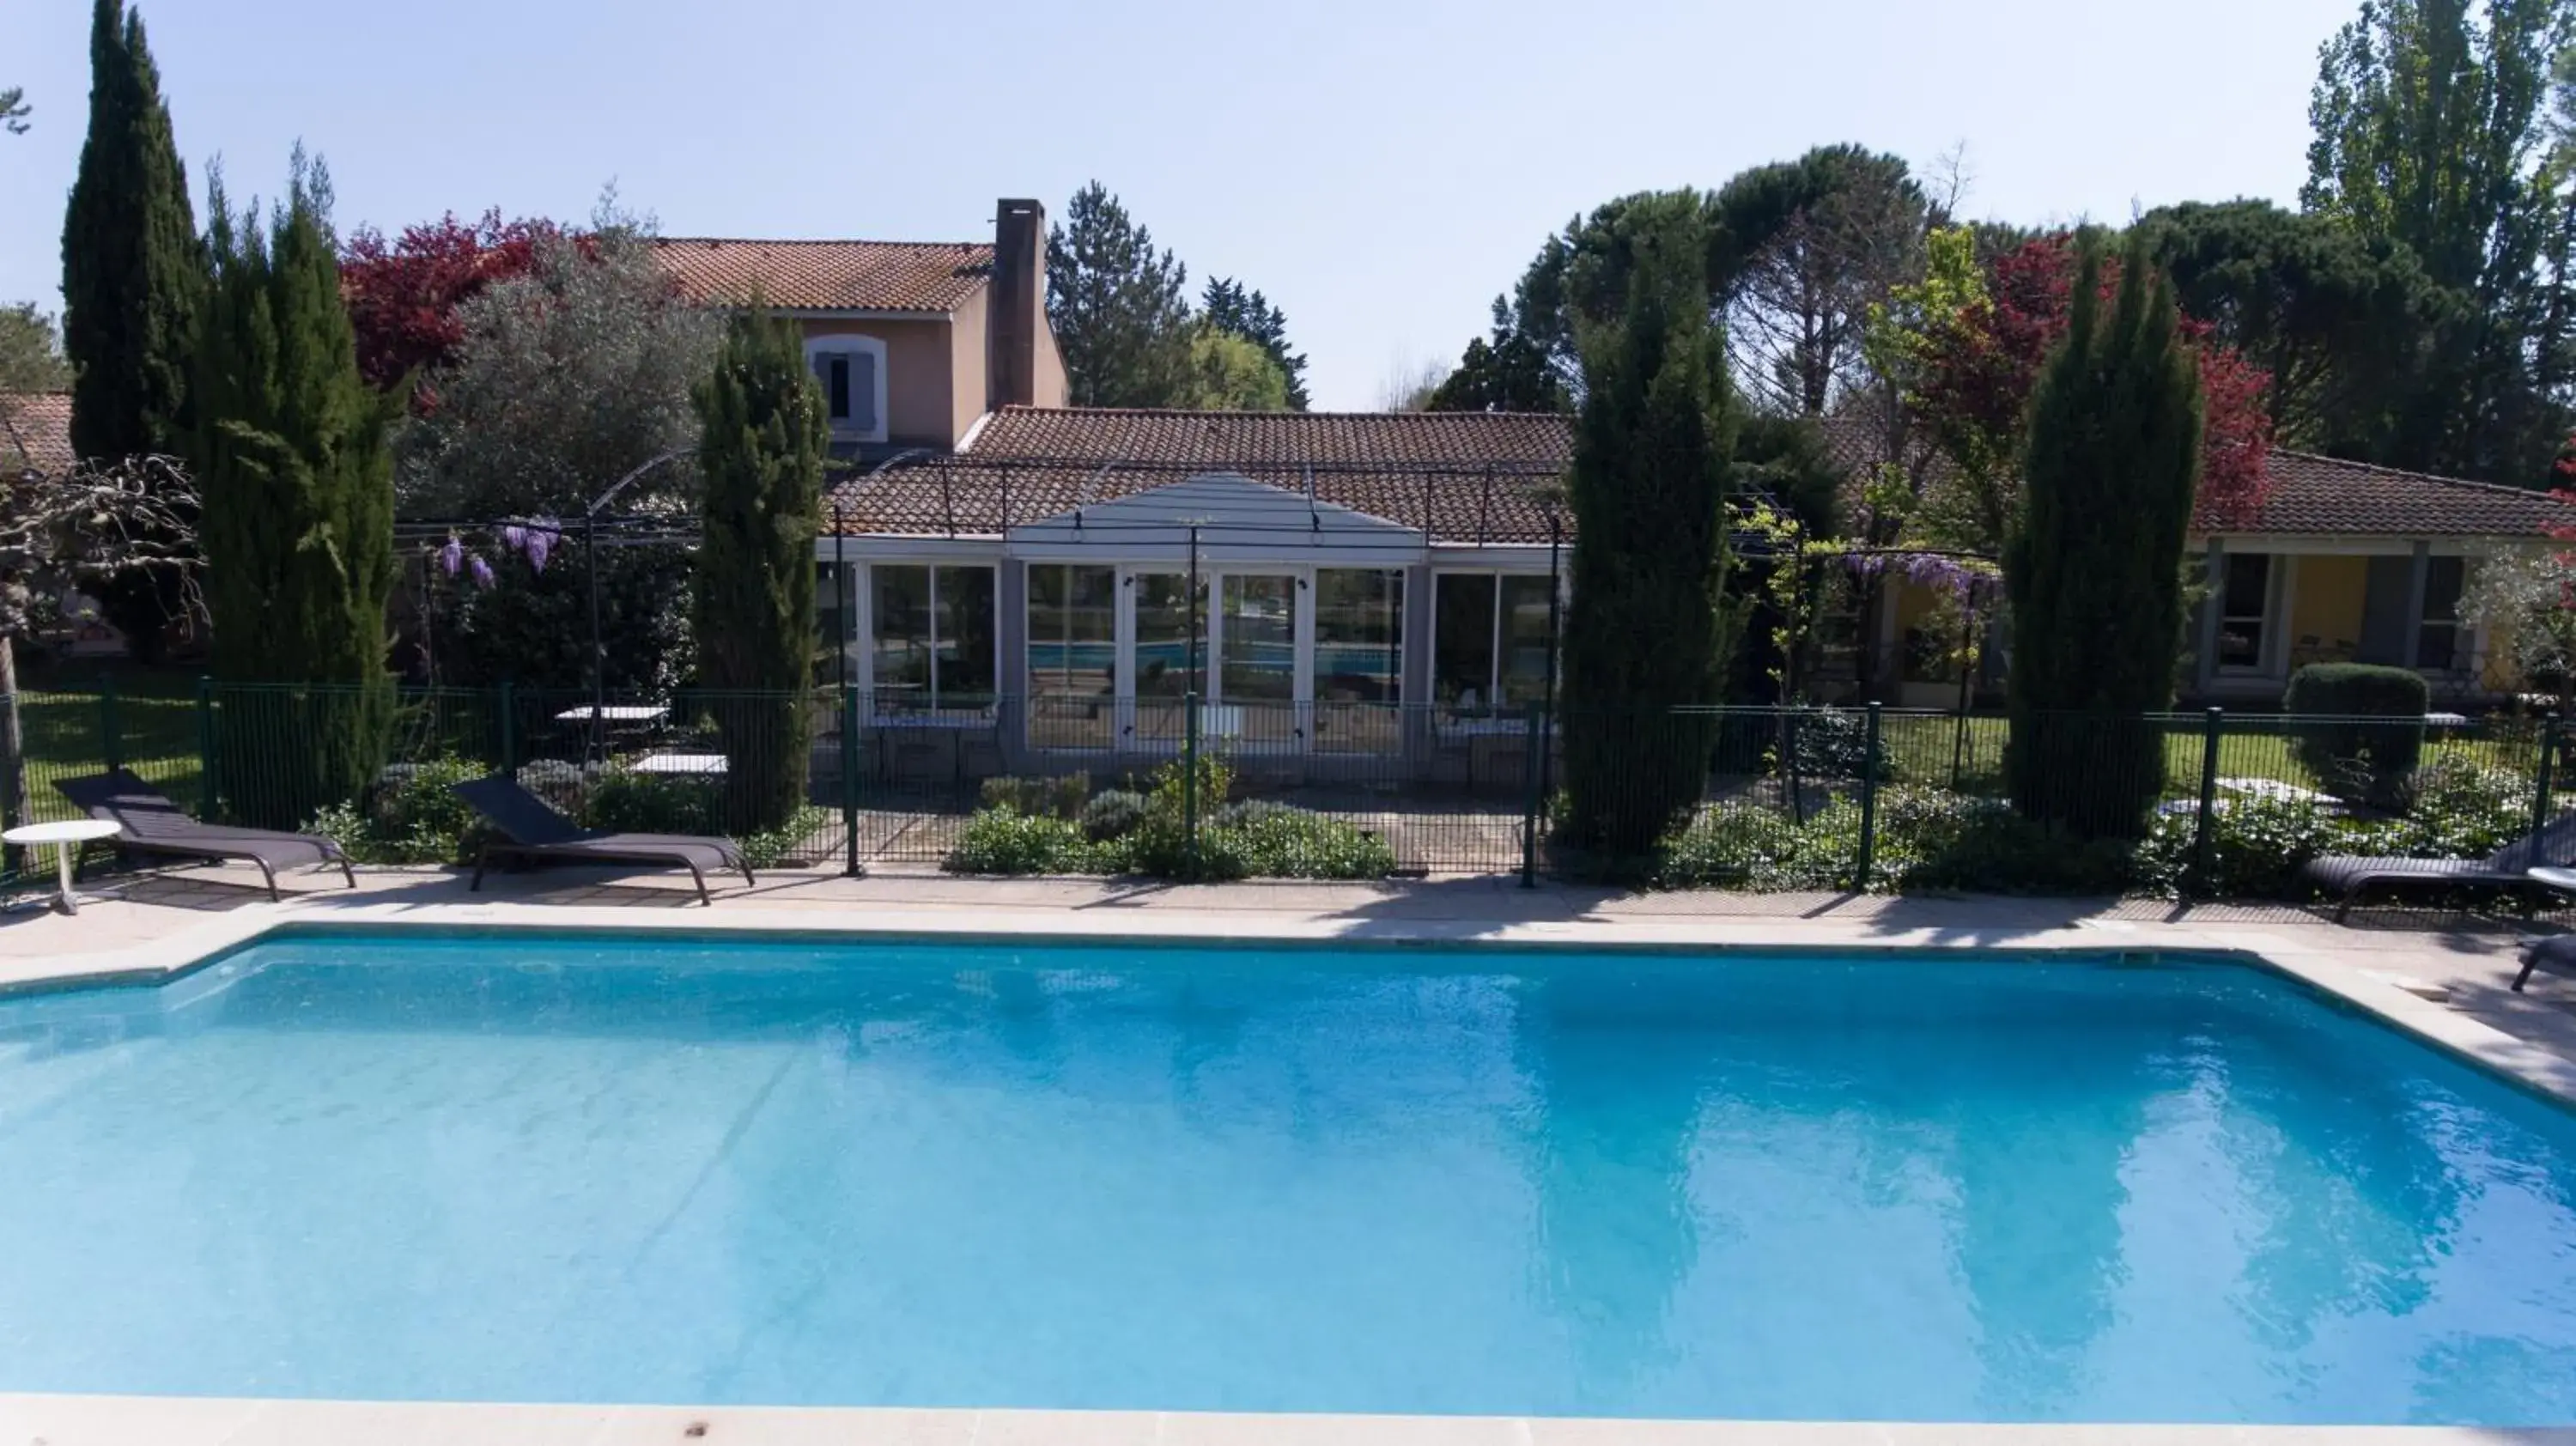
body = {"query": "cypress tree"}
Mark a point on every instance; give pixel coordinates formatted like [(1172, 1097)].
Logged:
[(1646, 636), (762, 456), (291, 455), (2094, 568), (131, 277)]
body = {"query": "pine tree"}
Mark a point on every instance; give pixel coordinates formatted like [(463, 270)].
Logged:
[(762, 455), (1646, 638), (291, 455), (1227, 306), (131, 277), (2094, 568), (1511, 373), (1117, 306)]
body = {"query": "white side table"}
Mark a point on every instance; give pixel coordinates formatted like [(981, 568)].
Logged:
[(2563, 880), (66, 839)]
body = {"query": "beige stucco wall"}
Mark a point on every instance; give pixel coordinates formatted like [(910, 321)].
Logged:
[(969, 362), (922, 403), (1052, 389)]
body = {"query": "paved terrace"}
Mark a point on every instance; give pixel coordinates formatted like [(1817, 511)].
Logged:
[(2442, 976)]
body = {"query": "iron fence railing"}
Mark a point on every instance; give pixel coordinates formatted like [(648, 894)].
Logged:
[(1178, 785)]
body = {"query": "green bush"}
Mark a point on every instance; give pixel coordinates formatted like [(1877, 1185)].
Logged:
[(770, 847), (1159, 844), (624, 801), (1832, 743), (1112, 815), (1004, 840), (2256, 849), (410, 816), (2356, 759), (1274, 841), (2459, 809), (1039, 797), (1759, 848)]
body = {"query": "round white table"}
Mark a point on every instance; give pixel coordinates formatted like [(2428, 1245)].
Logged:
[(66, 838)]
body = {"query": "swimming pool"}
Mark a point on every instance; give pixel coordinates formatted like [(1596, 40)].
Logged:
[(550, 1166)]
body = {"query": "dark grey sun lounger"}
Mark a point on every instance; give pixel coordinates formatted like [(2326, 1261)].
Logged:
[(2557, 954), (152, 824), (2345, 876), (526, 826)]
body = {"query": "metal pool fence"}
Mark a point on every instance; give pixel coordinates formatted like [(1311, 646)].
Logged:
[(1771, 796)]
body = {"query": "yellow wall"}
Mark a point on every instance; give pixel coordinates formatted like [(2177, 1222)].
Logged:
[(2326, 604)]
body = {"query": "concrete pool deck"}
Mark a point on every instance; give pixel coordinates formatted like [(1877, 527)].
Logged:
[(2386, 964)]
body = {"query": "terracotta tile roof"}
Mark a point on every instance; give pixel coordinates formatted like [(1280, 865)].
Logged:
[(1466, 477), (829, 275), (2320, 495), (36, 431), (2324, 497), (1470, 477)]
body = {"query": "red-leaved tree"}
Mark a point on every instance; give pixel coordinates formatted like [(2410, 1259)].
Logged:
[(403, 293), (1976, 367)]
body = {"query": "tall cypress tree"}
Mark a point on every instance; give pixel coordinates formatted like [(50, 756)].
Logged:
[(131, 277), (1646, 636), (291, 455), (762, 456), (2094, 569)]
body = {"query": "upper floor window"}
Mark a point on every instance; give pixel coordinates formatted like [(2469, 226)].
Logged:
[(851, 371)]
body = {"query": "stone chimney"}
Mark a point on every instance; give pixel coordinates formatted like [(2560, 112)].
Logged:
[(1018, 302)]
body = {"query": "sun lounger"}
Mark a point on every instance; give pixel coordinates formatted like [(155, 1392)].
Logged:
[(152, 824), (2507, 869), (526, 826), (2556, 954)]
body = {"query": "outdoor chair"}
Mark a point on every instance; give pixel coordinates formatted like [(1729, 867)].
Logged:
[(2556, 954), (152, 824), (527, 827), (2507, 869)]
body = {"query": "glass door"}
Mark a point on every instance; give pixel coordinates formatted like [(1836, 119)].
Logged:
[(1160, 672), (1256, 648)]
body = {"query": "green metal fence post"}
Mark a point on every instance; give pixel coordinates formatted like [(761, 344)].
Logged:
[(850, 779), (1868, 805), (111, 739), (2212, 730), (509, 727), (1531, 798), (2547, 777), (13, 797), (1190, 784), (206, 792)]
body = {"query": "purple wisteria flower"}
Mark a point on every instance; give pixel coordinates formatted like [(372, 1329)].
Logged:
[(452, 556), (482, 571)]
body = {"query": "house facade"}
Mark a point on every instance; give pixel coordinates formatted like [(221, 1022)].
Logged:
[(1367, 588), (913, 342), (1388, 586)]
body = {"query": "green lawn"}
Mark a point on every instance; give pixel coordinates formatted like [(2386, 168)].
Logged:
[(1931, 751), (66, 735)]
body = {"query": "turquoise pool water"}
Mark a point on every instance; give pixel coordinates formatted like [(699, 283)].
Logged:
[(599, 1168)]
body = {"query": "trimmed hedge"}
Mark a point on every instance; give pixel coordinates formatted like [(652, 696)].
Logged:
[(2358, 760)]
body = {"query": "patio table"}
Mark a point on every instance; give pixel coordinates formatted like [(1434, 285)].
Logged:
[(67, 838)]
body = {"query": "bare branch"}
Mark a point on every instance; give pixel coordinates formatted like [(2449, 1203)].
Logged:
[(98, 521)]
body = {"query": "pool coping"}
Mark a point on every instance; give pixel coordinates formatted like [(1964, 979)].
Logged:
[(79, 1420)]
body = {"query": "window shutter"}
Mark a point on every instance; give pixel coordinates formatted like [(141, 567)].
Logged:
[(863, 392)]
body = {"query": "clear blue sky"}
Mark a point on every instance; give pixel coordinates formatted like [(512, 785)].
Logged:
[(1380, 169)]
